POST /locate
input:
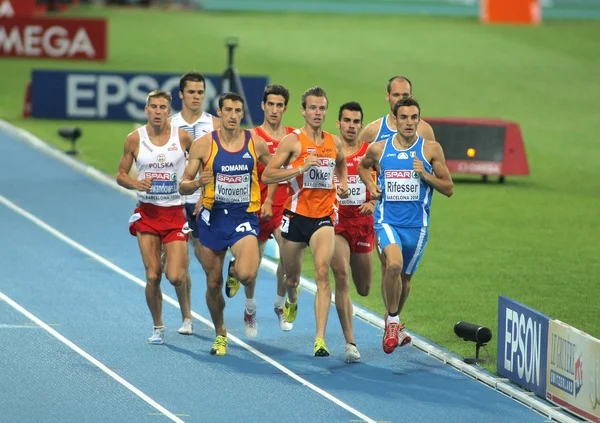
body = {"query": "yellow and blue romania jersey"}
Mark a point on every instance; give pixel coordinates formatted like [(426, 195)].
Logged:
[(235, 184)]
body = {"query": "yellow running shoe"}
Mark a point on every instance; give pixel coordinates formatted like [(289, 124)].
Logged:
[(290, 311), (232, 285), (321, 349), (219, 346)]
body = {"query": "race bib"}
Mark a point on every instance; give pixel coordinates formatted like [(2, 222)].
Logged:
[(164, 186), (402, 185), (320, 176), (357, 192), (232, 188)]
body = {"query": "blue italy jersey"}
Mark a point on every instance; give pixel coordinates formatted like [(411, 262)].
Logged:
[(405, 198), (385, 132)]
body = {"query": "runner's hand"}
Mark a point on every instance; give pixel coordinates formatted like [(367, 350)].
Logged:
[(144, 185), (367, 208), (266, 210), (206, 177), (375, 192), (342, 191), (419, 167)]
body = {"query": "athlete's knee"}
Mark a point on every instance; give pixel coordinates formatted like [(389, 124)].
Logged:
[(322, 271), (246, 275), (322, 277), (292, 280), (341, 277), (214, 282), (393, 267), (176, 276), (153, 276)]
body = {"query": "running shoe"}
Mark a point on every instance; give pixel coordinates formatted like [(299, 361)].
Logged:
[(390, 337), (321, 349), (250, 324), (232, 285), (283, 323), (219, 346), (158, 336), (403, 337), (352, 354), (187, 327)]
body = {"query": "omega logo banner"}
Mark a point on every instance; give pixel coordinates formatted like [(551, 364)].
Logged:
[(54, 38), (13, 8), (58, 94)]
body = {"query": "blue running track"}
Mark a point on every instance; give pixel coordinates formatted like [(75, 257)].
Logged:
[(74, 323)]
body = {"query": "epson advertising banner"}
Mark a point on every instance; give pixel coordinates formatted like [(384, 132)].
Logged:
[(90, 95), (522, 345)]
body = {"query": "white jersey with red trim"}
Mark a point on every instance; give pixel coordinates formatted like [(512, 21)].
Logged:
[(164, 165)]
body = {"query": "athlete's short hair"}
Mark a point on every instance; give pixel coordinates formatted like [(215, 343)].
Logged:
[(400, 78), (159, 94), (230, 96), (275, 89), (406, 102), (315, 92), (192, 77), (352, 106)]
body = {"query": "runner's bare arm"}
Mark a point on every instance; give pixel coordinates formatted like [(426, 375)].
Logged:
[(287, 151), (440, 180), (369, 160), (262, 150), (130, 152), (370, 132), (341, 169), (425, 130), (199, 153)]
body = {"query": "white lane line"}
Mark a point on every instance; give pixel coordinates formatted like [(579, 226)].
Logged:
[(173, 302), (9, 326), (87, 356)]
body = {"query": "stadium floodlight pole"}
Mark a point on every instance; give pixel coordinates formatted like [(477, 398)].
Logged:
[(231, 81)]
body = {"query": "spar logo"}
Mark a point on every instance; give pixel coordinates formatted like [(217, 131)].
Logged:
[(399, 174), (352, 179), (326, 162), (232, 179), (160, 176)]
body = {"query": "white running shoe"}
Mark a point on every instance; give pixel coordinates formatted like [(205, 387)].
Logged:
[(187, 327), (352, 354), (250, 324), (283, 324), (158, 336)]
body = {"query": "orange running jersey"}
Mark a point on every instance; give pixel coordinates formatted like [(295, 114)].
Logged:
[(282, 189), (313, 193)]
